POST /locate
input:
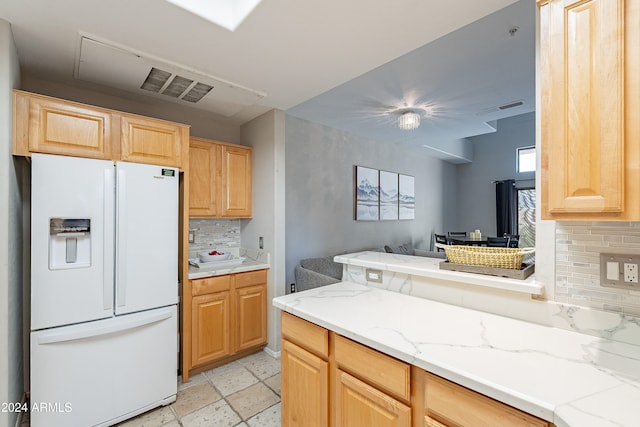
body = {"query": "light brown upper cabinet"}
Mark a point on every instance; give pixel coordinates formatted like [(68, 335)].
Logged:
[(590, 112), (205, 176), (48, 125), (152, 141), (220, 180), (237, 173)]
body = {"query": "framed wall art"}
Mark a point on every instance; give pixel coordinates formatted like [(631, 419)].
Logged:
[(367, 207), (407, 197), (388, 195)]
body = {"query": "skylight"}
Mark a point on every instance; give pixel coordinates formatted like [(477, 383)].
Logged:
[(226, 13)]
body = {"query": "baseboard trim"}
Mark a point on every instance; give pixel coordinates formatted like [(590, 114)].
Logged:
[(274, 354)]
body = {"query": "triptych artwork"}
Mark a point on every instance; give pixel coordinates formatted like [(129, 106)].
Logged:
[(382, 195)]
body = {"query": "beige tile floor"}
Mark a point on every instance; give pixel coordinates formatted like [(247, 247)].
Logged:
[(243, 393)]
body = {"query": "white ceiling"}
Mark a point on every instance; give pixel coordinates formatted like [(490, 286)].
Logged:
[(335, 62)]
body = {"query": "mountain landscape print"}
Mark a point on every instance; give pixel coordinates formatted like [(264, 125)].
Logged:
[(367, 194), (388, 195), (382, 195), (407, 197)]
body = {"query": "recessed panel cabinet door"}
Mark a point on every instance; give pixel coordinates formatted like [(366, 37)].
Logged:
[(252, 316), (210, 327), (305, 388), (204, 178), (582, 68), (69, 129), (237, 197), (152, 141)]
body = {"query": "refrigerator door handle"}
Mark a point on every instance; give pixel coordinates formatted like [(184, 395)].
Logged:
[(121, 285), (96, 331), (109, 234)]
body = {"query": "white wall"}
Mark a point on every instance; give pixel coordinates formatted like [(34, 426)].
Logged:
[(11, 361), (494, 159), (320, 193), (266, 135)]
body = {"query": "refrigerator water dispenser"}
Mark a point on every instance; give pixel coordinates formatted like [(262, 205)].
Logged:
[(69, 243)]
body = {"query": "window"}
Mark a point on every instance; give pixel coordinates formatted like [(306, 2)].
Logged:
[(526, 159)]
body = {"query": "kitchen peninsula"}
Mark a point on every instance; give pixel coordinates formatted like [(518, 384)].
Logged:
[(527, 370)]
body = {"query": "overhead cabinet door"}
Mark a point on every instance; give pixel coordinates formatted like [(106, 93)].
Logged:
[(58, 127), (587, 75), (146, 140)]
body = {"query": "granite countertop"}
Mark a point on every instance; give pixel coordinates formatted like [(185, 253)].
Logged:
[(565, 377), (254, 259), (430, 267)]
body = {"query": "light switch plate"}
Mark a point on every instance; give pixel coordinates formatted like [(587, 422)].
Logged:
[(619, 271)]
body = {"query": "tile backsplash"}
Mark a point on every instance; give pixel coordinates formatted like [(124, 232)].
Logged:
[(578, 249), (214, 234)]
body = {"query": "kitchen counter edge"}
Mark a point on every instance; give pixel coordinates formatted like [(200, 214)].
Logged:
[(196, 273)]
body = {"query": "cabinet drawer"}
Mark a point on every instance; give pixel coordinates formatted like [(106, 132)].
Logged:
[(250, 278), (312, 337), (378, 369), (457, 405), (210, 285), (357, 403)]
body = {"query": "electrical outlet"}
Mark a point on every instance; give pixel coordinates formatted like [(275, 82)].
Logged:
[(630, 273), (373, 275), (619, 271)]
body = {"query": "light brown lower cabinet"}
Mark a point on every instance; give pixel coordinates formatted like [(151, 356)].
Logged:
[(224, 317), (357, 403), (328, 379), (251, 306), (305, 399), (451, 405), (211, 327)]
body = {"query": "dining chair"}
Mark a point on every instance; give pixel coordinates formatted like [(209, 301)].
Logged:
[(497, 242), (513, 240), (440, 238)]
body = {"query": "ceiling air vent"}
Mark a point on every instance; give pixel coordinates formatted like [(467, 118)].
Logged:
[(161, 81), (121, 67), (511, 105), (501, 108)]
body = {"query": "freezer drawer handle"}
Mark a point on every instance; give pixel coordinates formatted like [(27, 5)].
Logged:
[(56, 337)]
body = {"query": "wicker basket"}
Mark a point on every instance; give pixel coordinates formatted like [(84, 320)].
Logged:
[(510, 258)]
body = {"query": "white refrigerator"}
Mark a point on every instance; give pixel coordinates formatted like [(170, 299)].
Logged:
[(104, 290)]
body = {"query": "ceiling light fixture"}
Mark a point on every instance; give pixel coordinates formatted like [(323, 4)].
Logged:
[(409, 120)]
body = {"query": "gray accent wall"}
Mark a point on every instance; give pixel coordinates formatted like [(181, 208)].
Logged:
[(494, 158), (11, 236), (320, 193)]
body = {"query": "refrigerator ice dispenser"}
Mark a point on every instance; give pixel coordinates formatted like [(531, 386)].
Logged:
[(69, 243)]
